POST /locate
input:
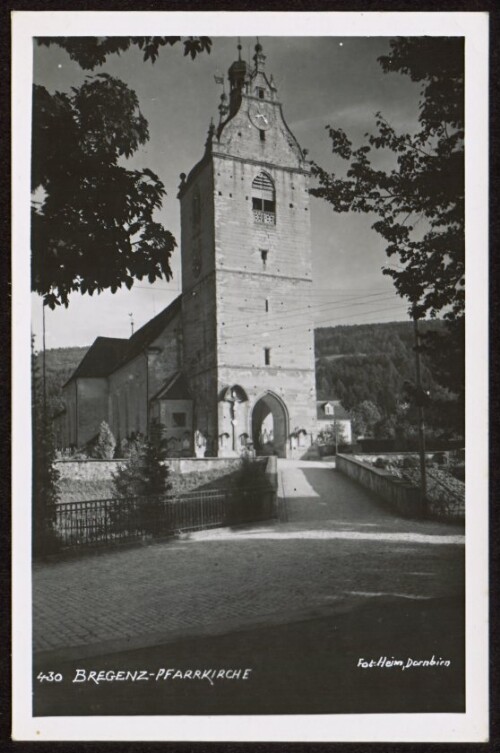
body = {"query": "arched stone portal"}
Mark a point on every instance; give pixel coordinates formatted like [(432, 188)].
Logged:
[(270, 426)]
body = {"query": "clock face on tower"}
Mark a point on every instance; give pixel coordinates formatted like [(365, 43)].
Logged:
[(261, 115)]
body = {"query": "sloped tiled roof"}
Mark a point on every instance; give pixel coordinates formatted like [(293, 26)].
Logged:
[(101, 358), (110, 353), (339, 412), (175, 388), (149, 332)]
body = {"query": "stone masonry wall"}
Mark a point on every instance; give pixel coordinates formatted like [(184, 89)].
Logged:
[(101, 470), (137, 380), (403, 498), (399, 494)]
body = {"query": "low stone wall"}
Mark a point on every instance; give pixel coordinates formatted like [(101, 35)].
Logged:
[(102, 470), (402, 497), (370, 457), (272, 471)]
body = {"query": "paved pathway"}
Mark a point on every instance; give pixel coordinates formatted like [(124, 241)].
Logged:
[(335, 548)]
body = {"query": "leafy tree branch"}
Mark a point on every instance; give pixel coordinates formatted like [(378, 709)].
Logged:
[(94, 223)]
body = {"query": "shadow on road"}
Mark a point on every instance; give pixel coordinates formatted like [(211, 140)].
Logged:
[(310, 667)]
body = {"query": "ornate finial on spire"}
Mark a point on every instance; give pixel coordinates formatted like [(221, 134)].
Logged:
[(181, 185), (223, 108), (259, 57), (239, 48), (210, 135)]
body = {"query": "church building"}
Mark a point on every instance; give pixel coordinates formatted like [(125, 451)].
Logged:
[(218, 371)]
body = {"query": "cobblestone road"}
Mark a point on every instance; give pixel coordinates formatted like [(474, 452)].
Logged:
[(334, 548)]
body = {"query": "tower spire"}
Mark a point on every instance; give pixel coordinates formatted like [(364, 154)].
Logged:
[(237, 78), (259, 57)]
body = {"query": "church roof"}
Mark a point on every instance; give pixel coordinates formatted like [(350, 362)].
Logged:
[(175, 388), (107, 354), (149, 332), (101, 358)]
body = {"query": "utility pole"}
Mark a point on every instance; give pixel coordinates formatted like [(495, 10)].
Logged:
[(421, 423), (44, 381)]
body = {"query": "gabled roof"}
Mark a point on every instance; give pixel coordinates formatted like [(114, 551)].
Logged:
[(101, 358), (339, 412), (175, 388), (107, 354), (149, 332)]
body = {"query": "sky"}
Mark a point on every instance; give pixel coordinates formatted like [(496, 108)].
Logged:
[(321, 81)]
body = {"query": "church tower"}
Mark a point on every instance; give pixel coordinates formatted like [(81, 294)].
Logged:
[(248, 334)]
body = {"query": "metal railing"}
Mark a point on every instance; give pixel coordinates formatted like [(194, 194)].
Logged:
[(104, 521)]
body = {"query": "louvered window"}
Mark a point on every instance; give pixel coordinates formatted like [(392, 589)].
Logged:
[(263, 200)]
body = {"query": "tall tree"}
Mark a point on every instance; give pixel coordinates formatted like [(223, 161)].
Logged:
[(146, 477), (45, 476), (419, 200), (93, 220)]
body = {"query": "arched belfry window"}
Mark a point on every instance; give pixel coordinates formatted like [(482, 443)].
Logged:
[(264, 199)]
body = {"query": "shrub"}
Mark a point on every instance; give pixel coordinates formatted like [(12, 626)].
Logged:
[(104, 448), (144, 473), (381, 463), (410, 461), (440, 458), (45, 476), (144, 476)]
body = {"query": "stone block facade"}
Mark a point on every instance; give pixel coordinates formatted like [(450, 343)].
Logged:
[(241, 336)]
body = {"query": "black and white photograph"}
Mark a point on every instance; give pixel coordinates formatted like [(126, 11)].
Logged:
[(253, 282)]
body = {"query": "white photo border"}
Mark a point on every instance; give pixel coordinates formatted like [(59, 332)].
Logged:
[(472, 726)]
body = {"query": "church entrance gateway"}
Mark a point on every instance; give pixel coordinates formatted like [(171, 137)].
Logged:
[(270, 426)]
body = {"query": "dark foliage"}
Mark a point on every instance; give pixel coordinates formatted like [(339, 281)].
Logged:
[(145, 473), (369, 367), (90, 52), (95, 229), (93, 221), (45, 494), (144, 484), (60, 363)]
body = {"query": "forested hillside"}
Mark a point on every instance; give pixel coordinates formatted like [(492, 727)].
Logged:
[(368, 362), (60, 363), (365, 366)]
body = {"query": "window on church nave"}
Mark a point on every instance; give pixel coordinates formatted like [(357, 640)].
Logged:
[(264, 199), (179, 419)]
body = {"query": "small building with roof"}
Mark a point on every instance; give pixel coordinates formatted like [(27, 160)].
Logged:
[(330, 412)]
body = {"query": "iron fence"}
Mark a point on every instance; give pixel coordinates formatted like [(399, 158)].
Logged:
[(116, 520)]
